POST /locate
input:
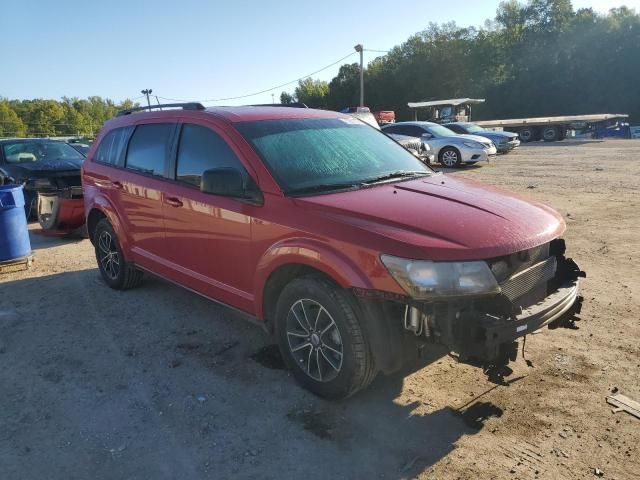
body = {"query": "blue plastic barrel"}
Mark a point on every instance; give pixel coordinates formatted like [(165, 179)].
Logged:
[(14, 235)]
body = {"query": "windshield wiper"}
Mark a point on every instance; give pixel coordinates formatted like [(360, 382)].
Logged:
[(322, 187), (396, 174)]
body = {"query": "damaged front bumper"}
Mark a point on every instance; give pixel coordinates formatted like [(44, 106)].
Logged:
[(61, 212), (558, 309), (543, 292)]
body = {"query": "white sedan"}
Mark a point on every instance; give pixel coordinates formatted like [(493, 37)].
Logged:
[(451, 149)]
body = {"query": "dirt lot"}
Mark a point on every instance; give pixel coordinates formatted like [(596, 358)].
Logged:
[(158, 383)]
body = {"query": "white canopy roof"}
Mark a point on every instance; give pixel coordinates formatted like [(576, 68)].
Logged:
[(451, 101)]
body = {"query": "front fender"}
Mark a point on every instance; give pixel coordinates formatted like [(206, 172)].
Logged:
[(312, 253)]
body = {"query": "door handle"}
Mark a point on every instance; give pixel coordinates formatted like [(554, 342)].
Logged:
[(117, 185), (173, 201)]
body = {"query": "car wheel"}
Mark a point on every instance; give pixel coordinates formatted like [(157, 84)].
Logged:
[(116, 273), (450, 157), (318, 327)]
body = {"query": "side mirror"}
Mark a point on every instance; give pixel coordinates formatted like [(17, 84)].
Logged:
[(427, 136), (229, 182)]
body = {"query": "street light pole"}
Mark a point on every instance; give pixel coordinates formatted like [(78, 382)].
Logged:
[(147, 92), (358, 48)]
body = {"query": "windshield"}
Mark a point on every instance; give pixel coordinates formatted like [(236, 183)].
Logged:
[(304, 154), (438, 131), (38, 150), (471, 128)]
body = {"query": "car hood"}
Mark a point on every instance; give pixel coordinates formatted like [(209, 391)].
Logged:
[(438, 218), (497, 135), (475, 138), (44, 167)]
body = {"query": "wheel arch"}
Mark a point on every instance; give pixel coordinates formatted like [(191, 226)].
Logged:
[(294, 258), (100, 209)]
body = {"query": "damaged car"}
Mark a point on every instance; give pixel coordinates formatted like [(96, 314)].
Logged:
[(50, 173), (353, 253)]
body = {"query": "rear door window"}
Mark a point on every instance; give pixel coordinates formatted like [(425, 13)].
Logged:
[(202, 149), (112, 146), (148, 150)]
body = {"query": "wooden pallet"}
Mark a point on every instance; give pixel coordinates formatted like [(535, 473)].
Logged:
[(16, 264), (622, 403)]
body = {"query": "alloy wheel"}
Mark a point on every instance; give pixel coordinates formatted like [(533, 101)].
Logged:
[(109, 256), (450, 158), (314, 340)]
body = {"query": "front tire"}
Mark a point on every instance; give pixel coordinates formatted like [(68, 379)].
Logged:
[(450, 157), (115, 271), (319, 332)]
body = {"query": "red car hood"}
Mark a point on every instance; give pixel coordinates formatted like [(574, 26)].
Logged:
[(439, 218)]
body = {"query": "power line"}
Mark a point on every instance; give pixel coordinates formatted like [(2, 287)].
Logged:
[(377, 51), (261, 91)]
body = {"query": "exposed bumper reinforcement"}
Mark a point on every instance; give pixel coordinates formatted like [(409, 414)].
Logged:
[(556, 309)]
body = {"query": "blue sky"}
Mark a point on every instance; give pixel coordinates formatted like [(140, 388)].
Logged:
[(190, 49)]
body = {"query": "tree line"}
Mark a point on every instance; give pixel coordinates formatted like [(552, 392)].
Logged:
[(533, 59), (67, 117)]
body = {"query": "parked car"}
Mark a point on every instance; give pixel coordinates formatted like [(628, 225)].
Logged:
[(50, 173), (416, 146), (354, 253), (362, 113), (385, 116), (82, 148), (451, 149), (504, 141)]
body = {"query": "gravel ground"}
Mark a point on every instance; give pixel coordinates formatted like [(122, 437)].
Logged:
[(158, 383)]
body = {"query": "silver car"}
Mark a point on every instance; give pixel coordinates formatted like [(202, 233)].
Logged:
[(416, 146), (451, 149)]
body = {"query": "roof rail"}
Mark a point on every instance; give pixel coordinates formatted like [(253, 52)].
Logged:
[(184, 106), (290, 105)]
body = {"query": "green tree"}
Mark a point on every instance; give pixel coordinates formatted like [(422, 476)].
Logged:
[(286, 98), (312, 93), (10, 123)]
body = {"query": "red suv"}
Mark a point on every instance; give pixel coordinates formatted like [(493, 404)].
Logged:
[(350, 250)]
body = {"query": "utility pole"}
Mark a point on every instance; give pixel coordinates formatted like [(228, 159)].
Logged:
[(147, 92), (273, 98), (359, 48)]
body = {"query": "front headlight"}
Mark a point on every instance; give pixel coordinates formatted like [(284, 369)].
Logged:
[(426, 147), (427, 280), (471, 144)]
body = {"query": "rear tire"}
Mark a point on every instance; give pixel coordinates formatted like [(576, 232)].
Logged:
[(450, 157), (319, 332), (115, 271)]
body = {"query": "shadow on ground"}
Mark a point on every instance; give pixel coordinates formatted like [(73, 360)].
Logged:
[(159, 383)]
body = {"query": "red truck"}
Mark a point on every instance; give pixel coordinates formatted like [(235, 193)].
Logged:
[(351, 251)]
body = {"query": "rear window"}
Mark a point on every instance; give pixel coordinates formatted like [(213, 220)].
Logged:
[(148, 150), (112, 146)]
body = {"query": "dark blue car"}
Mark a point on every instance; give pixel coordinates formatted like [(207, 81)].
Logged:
[(504, 141), (41, 165)]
